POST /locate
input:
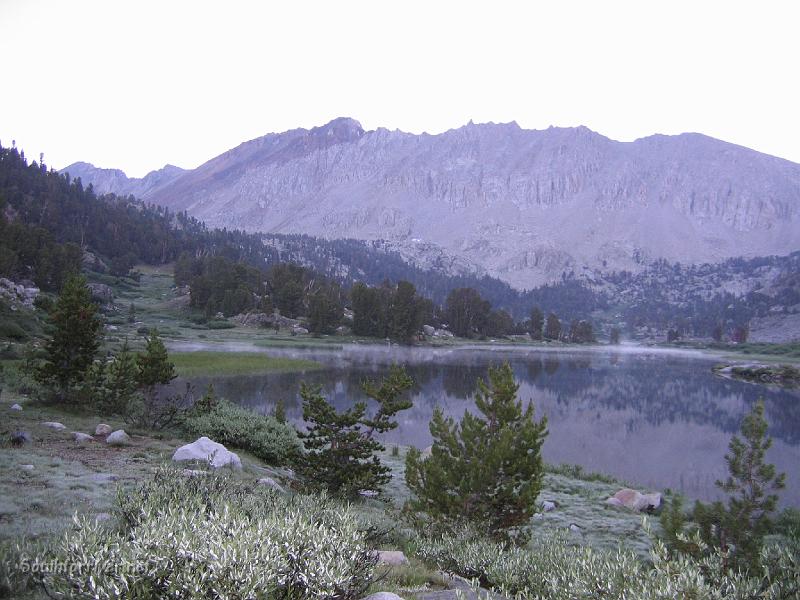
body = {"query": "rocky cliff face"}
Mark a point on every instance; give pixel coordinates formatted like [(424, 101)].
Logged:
[(526, 206), (115, 181)]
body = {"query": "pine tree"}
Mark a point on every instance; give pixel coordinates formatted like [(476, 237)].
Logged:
[(487, 469), (121, 381), (76, 339), (341, 450), (751, 484), (536, 323), (552, 329)]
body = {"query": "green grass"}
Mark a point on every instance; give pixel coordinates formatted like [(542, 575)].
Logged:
[(193, 364)]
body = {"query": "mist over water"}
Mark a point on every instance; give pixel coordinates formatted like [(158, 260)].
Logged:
[(658, 419)]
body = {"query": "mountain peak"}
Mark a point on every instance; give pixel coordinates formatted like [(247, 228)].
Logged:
[(341, 129)]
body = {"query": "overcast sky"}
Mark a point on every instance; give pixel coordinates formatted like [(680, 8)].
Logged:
[(135, 85)]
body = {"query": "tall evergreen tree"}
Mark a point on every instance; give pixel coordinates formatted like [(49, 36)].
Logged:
[(488, 468), (552, 329), (341, 449), (536, 323), (405, 312), (69, 353)]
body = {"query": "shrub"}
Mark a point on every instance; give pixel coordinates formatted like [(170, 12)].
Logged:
[(232, 425), (215, 537), (554, 569)]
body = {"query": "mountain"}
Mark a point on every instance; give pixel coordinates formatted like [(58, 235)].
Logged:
[(114, 181), (525, 206)]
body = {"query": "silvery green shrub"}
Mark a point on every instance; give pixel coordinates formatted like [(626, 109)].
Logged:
[(552, 568), (214, 537), (232, 425)]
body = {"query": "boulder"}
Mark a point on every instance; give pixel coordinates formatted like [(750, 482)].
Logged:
[(102, 429), (270, 482), (548, 506), (391, 557), (53, 425), (207, 450), (118, 438), (16, 407), (18, 438), (299, 330), (635, 500), (101, 293), (82, 438), (27, 467), (382, 596), (428, 330)]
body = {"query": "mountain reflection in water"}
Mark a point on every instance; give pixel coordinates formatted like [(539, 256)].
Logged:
[(657, 419)]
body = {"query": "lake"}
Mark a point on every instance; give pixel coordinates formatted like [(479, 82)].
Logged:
[(657, 418)]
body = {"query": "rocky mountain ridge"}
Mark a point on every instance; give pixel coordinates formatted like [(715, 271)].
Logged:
[(526, 206)]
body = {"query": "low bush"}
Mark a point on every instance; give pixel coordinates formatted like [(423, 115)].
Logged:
[(232, 425), (212, 537), (552, 568)]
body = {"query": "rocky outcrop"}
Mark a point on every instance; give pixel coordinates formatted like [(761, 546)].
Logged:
[(523, 205), (18, 294), (208, 451), (101, 293)]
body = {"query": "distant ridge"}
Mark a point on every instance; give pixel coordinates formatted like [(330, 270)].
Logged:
[(526, 206)]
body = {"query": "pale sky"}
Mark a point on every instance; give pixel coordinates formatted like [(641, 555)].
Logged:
[(137, 84)]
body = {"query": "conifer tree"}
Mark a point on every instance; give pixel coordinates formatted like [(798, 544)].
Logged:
[(121, 381), (552, 328), (537, 323), (487, 469), (75, 341), (341, 449), (751, 484)]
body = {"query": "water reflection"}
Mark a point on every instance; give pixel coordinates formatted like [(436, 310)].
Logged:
[(657, 419)]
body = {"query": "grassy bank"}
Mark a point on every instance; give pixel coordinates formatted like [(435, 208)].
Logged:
[(196, 364)]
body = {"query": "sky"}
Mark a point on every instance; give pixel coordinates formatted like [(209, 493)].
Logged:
[(136, 85)]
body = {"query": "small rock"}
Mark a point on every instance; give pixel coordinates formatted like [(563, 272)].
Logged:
[(575, 528), (82, 438), (382, 596), (27, 467), (391, 557), (538, 516), (18, 438), (102, 429), (368, 493), (103, 477), (270, 482), (16, 407), (102, 516), (548, 506), (204, 450), (118, 438), (53, 425)]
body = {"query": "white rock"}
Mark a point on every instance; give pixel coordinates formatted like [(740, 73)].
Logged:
[(428, 330), (16, 407), (614, 502), (382, 596), (118, 438), (575, 529), (548, 506), (538, 516), (270, 482), (204, 449), (102, 429), (53, 425), (391, 557), (27, 467), (82, 438)]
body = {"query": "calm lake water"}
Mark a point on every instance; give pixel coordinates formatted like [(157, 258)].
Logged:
[(658, 419)]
